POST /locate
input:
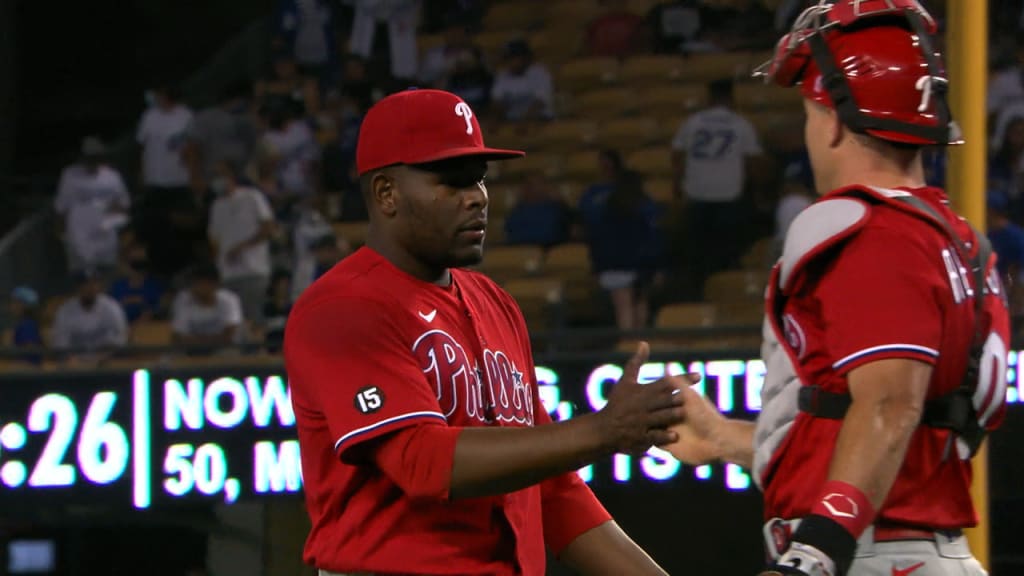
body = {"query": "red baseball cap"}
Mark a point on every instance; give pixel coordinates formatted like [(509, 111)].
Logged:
[(417, 126)]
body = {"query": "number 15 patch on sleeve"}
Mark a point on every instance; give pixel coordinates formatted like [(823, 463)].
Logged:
[(369, 399)]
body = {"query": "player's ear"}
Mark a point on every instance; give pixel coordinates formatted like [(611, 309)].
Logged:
[(382, 192)]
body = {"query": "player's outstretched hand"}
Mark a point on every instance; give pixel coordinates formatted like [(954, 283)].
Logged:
[(638, 416), (697, 432)]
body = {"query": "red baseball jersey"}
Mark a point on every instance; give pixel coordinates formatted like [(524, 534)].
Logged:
[(370, 350), (892, 286)]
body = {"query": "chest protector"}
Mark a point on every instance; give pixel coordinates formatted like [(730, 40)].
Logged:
[(786, 391)]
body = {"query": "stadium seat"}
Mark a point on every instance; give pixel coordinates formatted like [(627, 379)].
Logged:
[(549, 165), (151, 333), (352, 232), (740, 313), (572, 190), (661, 101), (583, 73), (501, 197), (710, 66), (503, 263), (555, 47), (576, 12), (659, 190), (655, 161), (605, 104), (735, 286), (540, 299), (686, 315), (495, 233), (760, 255), (757, 96), (566, 134), (583, 166), (517, 136), (652, 69), (571, 263), (515, 16), (492, 43), (627, 133)]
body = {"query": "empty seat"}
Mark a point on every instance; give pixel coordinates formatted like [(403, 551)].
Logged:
[(760, 255), (659, 190), (566, 134), (628, 133), (495, 233), (652, 69), (605, 103), (651, 162), (514, 16), (540, 299), (571, 12), (742, 313), (674, 100), (503, 263), (757, 96), (583, 166), (584, 73), (706, 67), (549, 165), (573, 257), (151, 333), (556, 46), (686, 315), (735, 285)]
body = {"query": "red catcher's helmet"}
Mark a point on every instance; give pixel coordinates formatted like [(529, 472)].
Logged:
[(873, 62)]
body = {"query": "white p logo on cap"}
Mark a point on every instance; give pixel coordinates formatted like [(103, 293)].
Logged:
[(462, 110)]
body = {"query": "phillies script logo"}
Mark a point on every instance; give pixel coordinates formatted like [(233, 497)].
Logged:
[(463, 385)]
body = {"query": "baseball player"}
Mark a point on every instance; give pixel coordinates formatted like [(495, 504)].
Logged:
[(886, 325), (425, 448)]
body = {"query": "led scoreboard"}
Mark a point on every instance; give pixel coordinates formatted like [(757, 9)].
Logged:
[(150, 438)]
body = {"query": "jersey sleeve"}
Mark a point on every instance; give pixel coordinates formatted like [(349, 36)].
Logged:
[(881, 299), (353, 362)]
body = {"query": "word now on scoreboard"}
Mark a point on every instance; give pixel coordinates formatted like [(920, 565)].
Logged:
[(150, 437)]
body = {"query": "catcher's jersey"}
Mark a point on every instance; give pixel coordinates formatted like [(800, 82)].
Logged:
[(875, 281), (370, 349)]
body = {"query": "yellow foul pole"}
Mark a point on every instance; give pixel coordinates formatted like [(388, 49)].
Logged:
[(967, 60)]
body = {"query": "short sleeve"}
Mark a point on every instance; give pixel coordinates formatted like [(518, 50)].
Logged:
[(142, 134), (120, 190), (179, 316), (881, 299), (61, 334), (751, 145), (62, 203), (262, 207), (231, 308), (118, 324), (681, 140), (351, 362)]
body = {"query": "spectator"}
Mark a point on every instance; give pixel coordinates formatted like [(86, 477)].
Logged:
[(288, 89), (674, 26), (311, 226), (241, 226), (292, 159), (344, 117), (620, 228), (170, 212), (357, 84), (472, 81), (740, 25), (1006, 166), (712, 148), (400, 17), (1006, 83), (436, 15), (276, 310), (307, 28), (139, 293), (523, 89), (615, 33), (539, 217), (1007, 238), (205, 315), (328, 251), (225, 132), (92, 201), (439, 62), (90, 321), (24, 310)]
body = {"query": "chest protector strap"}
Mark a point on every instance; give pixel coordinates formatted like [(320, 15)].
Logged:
[(954, 410)]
